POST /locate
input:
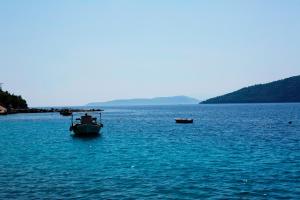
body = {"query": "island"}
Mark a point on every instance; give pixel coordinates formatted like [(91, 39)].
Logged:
[(281, 91), (174, 100)]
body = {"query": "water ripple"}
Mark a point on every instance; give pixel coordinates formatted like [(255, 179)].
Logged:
[(231, 151)]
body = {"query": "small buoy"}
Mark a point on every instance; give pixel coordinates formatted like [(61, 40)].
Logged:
[(290, 122)]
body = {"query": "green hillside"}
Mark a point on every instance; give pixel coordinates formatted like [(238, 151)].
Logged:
[(12, 101), (286, 90)]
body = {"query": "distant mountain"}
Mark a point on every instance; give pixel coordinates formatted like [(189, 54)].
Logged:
[(282, 91), (154, 101)]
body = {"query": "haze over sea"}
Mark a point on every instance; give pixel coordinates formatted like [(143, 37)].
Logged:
[(242, 151)]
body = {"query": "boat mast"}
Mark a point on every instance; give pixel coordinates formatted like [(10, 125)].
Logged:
[(72, 119)]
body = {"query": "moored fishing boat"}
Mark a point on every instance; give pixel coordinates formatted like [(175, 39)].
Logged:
[(65, 112), (86, 125)]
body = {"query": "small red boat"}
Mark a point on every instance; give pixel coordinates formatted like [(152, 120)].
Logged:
[(184, 120)]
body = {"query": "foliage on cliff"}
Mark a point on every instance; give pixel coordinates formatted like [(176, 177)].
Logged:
[(12, 101), (282, 91)]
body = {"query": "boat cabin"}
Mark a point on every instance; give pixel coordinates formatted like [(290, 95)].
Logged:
[(87, 119)]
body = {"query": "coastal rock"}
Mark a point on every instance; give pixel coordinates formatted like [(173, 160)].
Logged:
[(3, 111)]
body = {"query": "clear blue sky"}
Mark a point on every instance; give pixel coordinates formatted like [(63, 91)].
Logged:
[(75, 52)]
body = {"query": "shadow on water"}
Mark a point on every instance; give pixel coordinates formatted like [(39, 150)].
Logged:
[(86, 138)]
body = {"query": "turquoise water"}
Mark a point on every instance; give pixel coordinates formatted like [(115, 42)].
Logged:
[(241, 151)]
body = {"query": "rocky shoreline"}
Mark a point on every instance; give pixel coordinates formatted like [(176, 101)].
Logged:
[(46, 110)]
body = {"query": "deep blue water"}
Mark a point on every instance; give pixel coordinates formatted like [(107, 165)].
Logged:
[(231, 151)]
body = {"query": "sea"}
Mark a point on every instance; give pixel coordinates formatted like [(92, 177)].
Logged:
[(231, 151)]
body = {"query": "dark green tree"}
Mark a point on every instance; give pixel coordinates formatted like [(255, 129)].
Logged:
[(12, 101)]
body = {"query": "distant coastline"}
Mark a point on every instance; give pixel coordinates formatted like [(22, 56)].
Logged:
[(13, 104), (175, 100), (281, 91)]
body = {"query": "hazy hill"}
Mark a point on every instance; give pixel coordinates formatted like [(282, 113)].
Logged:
[(286, 90), (153, 101), (11, 101)]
